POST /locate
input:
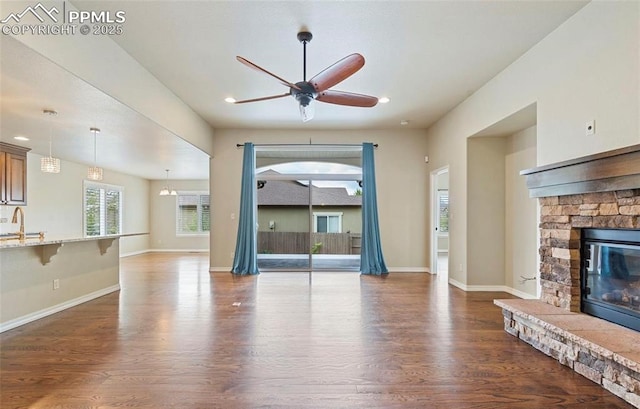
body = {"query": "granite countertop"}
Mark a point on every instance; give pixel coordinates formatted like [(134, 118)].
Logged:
[(35, 241)]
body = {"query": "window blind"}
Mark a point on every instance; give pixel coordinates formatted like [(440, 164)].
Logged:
[(192, 213), (102, 209)]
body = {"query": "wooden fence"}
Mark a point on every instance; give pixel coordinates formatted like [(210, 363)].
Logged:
[(298, 243)]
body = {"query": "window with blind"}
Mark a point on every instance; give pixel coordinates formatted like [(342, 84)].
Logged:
[(443, 211), (102, 209), (327, 222), (192, 213)]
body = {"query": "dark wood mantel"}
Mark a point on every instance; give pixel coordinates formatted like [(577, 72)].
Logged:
[(618, 169)]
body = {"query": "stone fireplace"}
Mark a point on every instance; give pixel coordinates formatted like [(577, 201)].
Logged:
[(562, 219), (596, 192)]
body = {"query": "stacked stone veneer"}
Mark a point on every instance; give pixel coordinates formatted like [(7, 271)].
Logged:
[(561, 219)]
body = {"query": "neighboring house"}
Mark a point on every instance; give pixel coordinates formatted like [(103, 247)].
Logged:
[(284, 219), (283, 206)]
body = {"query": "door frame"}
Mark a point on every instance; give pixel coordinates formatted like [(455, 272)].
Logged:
[(435, 174)]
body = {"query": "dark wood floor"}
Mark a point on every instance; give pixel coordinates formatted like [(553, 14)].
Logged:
[(173, 338)]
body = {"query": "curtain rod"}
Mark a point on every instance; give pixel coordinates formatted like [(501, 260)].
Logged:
[(240, 145)]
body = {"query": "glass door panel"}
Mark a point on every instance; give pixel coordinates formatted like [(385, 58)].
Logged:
[(336, 223), (283, 225)]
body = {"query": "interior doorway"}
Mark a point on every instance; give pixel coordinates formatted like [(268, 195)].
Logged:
[(440, 222)]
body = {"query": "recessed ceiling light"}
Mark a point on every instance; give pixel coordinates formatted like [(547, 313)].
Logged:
[(230, 100), (404, 122), (20, 138), (383, 100)]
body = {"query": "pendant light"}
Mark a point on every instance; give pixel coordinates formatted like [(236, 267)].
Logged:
[(50, 164), (94, 172), (165, 190)]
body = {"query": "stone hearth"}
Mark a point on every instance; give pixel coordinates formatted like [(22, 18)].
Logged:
[(598, 191), (605, 353)]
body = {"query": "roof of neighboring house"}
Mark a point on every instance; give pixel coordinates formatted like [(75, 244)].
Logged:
[(294, 193)]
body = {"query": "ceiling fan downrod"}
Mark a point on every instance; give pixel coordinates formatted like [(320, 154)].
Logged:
[(304, 37)]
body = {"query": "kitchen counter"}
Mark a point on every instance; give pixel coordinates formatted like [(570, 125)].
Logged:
[(35, 241), (42, 277)]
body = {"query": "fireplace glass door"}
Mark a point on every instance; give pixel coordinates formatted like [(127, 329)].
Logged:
[(611, 276)]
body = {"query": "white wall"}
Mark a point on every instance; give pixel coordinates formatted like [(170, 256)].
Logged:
[(586, 69), (101, 62), (521, 213), (162, 212), (485, 210), (402, 186), (54, 203)]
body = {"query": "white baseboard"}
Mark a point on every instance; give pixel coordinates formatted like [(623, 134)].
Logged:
[(25, 319), (521, 294), (220, 269), (178, 250), (133, 253), (458, 284), (409, 269), (501, 288), (391, 269)]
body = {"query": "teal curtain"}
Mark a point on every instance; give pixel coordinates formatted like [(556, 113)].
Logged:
[(371, 259), (245, 260)]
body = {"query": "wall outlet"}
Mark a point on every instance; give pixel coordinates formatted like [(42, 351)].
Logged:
[(590, 127), (231, 254), (233, 216), (4, 220), (56, 284)]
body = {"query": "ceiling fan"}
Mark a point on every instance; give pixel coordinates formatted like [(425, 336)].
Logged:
[(317, 88)]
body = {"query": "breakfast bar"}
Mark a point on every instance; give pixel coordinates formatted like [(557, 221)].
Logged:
[(41, 276)]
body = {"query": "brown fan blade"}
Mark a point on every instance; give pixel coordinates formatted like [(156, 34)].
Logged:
[(244, 101), (347, 98), (337, 73), (258, 68)]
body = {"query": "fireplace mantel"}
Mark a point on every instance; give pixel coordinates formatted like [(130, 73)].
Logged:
[(617, 169)]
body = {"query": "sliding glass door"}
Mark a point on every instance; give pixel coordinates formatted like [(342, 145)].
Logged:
[(309, 208)]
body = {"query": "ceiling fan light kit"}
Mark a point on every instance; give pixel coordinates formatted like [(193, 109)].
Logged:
[(317, 88)]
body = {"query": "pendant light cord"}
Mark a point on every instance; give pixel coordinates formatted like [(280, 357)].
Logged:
[(50, 139), (95, 132), (51, 114), (95, 154)]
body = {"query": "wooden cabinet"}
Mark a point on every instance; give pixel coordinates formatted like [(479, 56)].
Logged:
[(13, 174)]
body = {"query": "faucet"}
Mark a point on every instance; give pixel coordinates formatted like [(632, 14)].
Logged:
[(15, 220)]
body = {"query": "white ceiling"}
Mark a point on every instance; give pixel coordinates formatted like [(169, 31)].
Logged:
[(128, 142), (426, 56)]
